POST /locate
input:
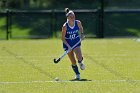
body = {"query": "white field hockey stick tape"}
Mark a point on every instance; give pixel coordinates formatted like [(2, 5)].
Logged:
[(66, 52)]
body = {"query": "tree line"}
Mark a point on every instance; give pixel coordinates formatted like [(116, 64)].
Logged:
[(60, 4)]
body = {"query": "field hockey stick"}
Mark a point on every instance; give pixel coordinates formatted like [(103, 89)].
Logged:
[(66, 52)]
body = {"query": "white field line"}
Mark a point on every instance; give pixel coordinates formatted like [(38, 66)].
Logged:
[(138, 40), (53, 56), (67, 81)]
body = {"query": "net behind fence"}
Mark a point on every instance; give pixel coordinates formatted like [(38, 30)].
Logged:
[(117, 24), (31, 25), (122, 4), (48, 24)]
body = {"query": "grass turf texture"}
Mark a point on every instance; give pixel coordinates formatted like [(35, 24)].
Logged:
[(112, 66)]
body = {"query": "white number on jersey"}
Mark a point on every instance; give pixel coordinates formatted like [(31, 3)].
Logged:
[(72, 36)]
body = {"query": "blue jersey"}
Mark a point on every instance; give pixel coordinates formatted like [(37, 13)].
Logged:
[(72, 36)]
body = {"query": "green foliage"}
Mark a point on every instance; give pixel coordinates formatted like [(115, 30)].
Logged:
[(49, 4), (76, 4)]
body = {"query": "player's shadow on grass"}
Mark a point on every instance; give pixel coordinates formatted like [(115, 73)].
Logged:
[(80, 80)]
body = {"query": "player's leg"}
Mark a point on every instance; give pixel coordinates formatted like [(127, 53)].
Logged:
[(74, 65), (79, 56)]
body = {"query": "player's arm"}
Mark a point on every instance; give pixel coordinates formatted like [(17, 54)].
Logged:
[(81, 29), (63, 36)]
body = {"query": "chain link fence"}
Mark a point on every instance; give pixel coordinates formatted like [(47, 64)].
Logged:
[(120, 19)]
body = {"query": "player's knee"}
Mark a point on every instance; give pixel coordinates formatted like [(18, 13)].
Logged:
[(73, 63), (80, 60)]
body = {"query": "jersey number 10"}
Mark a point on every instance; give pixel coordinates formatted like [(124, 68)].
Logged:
[(72, 36)]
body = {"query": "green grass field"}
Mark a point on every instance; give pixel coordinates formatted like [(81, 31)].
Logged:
[(112, 66)]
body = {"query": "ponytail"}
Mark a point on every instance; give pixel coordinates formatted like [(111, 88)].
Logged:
[(67, 10)]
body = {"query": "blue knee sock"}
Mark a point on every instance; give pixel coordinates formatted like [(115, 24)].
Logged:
[(75, 69)]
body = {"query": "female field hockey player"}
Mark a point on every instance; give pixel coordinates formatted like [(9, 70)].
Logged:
[(70, 37)]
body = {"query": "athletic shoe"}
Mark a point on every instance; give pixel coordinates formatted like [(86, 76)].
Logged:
[(77, 77), (82, 66)]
